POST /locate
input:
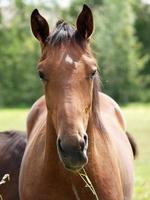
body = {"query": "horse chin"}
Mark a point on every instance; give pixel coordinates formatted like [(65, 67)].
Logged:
[(73, 169)]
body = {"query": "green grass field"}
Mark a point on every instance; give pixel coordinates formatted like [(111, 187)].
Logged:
[(13, 119), (138, 123)]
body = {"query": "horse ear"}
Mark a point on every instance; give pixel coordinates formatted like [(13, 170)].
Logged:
[(39, 26), (85, 22)]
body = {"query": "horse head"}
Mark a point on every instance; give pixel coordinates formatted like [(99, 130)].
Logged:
[(67, 70)]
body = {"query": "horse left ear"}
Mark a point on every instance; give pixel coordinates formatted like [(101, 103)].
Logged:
[(85, 22), (39, 26)]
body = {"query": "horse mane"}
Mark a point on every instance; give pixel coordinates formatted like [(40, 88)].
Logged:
[(62, 33), (96, 104)]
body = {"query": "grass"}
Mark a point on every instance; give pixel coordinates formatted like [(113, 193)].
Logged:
[(13, 119), (138, 124)]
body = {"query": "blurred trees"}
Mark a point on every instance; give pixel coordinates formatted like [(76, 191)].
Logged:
[(118, 50), (142, 26), (123, 61), (18, 57)]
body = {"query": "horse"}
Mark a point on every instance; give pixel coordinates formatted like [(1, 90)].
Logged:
[(74, 126), (12, 146)]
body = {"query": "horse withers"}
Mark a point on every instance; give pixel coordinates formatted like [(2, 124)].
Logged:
[(74, 125), (12, 146)]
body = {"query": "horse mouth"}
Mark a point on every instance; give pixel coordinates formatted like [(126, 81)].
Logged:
[(74, 164), (73, 169)]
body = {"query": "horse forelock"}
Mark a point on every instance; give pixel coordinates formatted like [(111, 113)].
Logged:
[(64, 32)]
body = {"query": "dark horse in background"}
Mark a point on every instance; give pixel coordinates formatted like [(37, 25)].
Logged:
[(12, 146), (74, 125)]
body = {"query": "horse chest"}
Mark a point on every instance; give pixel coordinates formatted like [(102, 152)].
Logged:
[(48, 183), (40, 179)]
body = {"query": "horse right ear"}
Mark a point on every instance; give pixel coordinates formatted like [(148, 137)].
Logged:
[(39, 26), (85, 22)]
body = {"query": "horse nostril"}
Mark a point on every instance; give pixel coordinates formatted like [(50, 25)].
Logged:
[(85, 138), (83, 143), (59, 145)]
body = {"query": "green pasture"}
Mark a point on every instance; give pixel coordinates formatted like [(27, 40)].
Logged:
[(13, 119), (138, 124)]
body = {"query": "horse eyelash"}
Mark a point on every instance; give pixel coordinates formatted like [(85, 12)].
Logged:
[(92, 74), (41, 75)]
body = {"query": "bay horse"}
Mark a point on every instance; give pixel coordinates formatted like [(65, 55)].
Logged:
[(12, 146), (74, 125)]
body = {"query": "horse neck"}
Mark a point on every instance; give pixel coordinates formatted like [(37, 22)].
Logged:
[(50, 142), (91, 138), (102, 157)]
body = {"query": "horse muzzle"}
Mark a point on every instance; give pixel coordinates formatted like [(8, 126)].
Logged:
[(72, 151)]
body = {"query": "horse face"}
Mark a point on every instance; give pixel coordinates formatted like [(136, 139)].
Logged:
[(68, 83), (67, 71)]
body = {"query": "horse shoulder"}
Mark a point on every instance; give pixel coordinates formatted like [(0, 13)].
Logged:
[(107, 104), (36, 111), (115, 124)]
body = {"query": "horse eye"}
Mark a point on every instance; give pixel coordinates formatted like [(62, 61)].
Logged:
[(92, 74), (41, 75)]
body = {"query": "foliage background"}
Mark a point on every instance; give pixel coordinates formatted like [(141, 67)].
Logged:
[(121, 44)]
